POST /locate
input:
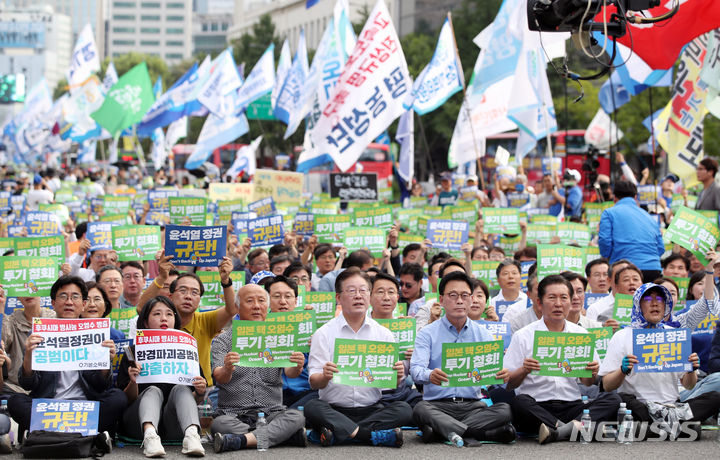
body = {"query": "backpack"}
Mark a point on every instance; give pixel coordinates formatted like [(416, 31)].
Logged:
[(54, 444)]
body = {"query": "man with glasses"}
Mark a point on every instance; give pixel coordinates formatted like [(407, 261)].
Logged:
[(445, 411), (283, 294), (98, 259), (68, 295), (411, 276), (551, 406), (300, 274), (344, 413), (133, 275), (597, 276), (257, 261)]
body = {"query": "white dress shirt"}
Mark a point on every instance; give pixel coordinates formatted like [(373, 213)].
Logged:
[(322, 351), (540, 387), (517, 307), (601, 310)]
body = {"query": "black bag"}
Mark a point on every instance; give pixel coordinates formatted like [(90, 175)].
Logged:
[(54, 444)]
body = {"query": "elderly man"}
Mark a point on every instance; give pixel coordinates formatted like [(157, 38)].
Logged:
[(245, 391), (448, 411), (98, 259), (345, 413), (551, 406)]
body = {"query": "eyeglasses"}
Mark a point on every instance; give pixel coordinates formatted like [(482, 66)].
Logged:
[(289, 296), (111, 281), (352, 291), (454, 296), (95, 300), (300, 279), (186, 291), (650, 298), (63, 297), (599, 275), (406, 284), (130, 276), (382, 292), (327, 256)]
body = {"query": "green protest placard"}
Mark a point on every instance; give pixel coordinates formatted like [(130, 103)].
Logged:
[(539, 234), (592, 253), (406, 215), (58, 209), (694, 232), (300, 302), (43, 246), (324, 305), (365, 363), (485, 270), (115, 219), (408, 238), (472, 364), (28, 276), (553, 259), (379, 217), (329, 229), (571, 232), (418, 201), (194, 208), (136, 242), (683, 285), (602, 337), (544, 219), (433, 211), (369, 238), (403, 329), (64, 195), (306, 325), (509, 243), (325, 208), (214, 295), (678, 201), (563, 354), (122, 318), (262, 344), (116, 204), (466, 212), (227, 207), (501, 220), (7, 244), (596, 209), (622, 309)]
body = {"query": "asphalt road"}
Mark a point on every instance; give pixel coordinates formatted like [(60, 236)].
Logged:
[(707, 448)]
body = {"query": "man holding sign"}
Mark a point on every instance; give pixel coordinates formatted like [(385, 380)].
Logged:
[(646, 392), (448, 409), (552, 406), (68, 296)]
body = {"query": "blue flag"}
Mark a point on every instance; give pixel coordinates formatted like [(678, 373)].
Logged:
[(291, 91), (174, 104), (216, 132)]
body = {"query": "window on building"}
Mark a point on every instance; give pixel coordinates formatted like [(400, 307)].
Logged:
[(150, 17), (175, 5), (149, 42), (172, 30), (214, 27), (204, 27), (124, 30), (173, 55), (175, 18), (174, 43), (150, 4), (150, 30), (124, 42), (124, 17), (124, 4), (224, 26)]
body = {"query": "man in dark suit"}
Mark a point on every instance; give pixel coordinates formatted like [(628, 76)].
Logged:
[(709, 198)]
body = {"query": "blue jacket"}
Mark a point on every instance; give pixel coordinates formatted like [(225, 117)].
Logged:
[(628, 232), (573, 204), (714, 356)]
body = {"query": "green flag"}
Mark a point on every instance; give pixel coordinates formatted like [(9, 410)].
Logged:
[(127, 101)]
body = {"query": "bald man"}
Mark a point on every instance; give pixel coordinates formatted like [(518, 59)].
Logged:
[(245, 391)]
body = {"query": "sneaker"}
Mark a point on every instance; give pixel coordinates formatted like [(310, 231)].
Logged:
[(546, 434), (298, 439), (152, 446), (103, 442), (428, 435), (228, 442), (5, 446), (326, 437), (389, 438), (192, 445)]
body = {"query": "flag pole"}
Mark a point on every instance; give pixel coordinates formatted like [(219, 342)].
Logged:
[(469, 115)]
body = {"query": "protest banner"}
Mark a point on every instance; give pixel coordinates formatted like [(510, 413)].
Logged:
[(407, 238), (403, 330), (683, 285), (602, 337), (501, 307), (42, 223), (234, 191), (116, 204), (44, 246), (499, 331), (501, 220), (7, 244), (648, 194), (227, 207), (694, 232), (65, 416), (472, 364), (60, 210), (325, 209), (306, 325), (365, 363), (119, 353), (157, 217), (355, 187), (468, 193), (263, 207), (99, 234), (485, 270), (539, 234), (159, 198), (136, 242), (214, 297), (323, 303), (304, 224), (182, 208), (706, 326), (265, 231), (282, 186), (571, 232), (261, 344), (28, 276), (555, 258), (678, 201), (71, 344), (379, 217), (123, 320), (622, 309), (592, 253), (518, 199), (166, 356), (563, 354), (369, 238), (662, 350), (447, 234), (468, 213), (196, 246)]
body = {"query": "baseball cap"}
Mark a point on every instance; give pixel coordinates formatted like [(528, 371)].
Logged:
[(446, 176), (672, 177), (471, 177), (37, 179)]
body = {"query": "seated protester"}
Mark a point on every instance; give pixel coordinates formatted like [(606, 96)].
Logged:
[(110, 278), (532, 314), (68, 296), (508, 275), (551, 406), (133, 276), (527, 254), (185, 294), (344, 413), (711, 382), (98, 306), (675, 266), (361, 259), (459, 410), (257, 261), (626, 278), (98, 259), (15, 331), (650, 394), (279, 263), (597, 276), (478, 307), (496, 254), (428, 313), (283, 297), (325, 259), (414, 253), (160, 409), (411, 277), (576, 315), (384, 300), (245, 391), (702, 289), (434, 266), (300, 274)]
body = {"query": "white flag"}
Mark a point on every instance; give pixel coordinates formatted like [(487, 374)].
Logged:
[(219, 92), (406, 138), (158, 153), (369, 94), (289, 95), (602, 132), (260, 80), (245, 160), (111, 77), (113, 158), (283, 66), (176, 131), (85, 60)]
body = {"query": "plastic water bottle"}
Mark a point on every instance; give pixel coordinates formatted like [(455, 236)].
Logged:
[(620, 417), (626, 431), (456, 440), (586, 430), (585, 400), (262, 445), (3, 407)]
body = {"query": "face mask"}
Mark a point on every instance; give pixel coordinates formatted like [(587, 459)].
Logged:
[(519, 187)]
